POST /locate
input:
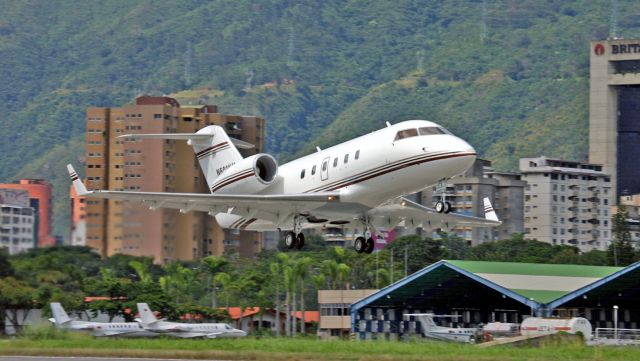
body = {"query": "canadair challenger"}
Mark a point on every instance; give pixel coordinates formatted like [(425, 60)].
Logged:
[(361, 182)]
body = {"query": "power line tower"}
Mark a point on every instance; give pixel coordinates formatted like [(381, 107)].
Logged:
[(291, 48), (483, 34), (187, 64), (613, 23)]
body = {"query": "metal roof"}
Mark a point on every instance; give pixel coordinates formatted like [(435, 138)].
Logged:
[(531, 284)]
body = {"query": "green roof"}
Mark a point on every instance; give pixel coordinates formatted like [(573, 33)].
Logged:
[(536, 269), (541, 282)]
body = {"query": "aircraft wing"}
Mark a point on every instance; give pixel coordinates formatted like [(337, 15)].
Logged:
[(215, 203), (417, 215)]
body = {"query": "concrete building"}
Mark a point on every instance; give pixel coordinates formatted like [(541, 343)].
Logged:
[(17, 221), (567, 203), (614, 112), (157, 166), (40, 199), (335, 317), (466, 193), (632, 206), (78, 219)]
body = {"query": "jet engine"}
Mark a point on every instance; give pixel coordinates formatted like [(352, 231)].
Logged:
[(250, 175)]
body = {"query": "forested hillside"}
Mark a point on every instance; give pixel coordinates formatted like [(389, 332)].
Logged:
[(509, 76)]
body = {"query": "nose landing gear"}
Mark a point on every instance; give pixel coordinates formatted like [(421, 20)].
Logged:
[(365, 244)]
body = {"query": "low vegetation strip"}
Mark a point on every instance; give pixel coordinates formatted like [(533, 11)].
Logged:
[(303, 349)]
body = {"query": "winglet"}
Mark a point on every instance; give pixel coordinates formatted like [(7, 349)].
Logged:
[(489, 212), (77, 183)]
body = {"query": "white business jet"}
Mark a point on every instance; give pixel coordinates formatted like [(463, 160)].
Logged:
[(361, 181), (431, 330), (100, 329), (185, 330)]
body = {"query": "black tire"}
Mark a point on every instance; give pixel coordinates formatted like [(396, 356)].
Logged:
[(447, 207), (370, 245), (439, 206), (300, 241), (359, 244), (290, 240)]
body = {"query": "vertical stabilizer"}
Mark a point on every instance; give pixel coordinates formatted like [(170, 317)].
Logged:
[(215, 153), (146, 316), (59, 314)]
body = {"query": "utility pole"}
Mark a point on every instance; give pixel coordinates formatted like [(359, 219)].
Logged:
[(391, 266), (187, 64), (406, 258)]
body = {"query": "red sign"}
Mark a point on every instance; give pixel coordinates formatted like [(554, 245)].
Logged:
[(598, 49)]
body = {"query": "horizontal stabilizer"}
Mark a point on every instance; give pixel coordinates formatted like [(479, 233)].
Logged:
[(186, 136)]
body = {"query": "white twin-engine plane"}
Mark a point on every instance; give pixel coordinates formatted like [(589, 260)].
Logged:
[(361, 181)]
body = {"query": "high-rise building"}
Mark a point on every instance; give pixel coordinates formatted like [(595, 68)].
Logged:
[(466, 194), (567, 203), (156, 165), (78, 219), (40, 199), (614, 113), (17, 221)]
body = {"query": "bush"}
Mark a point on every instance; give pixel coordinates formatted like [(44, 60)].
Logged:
[(44, 332)]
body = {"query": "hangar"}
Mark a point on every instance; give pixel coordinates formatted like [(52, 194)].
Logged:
[(481, 292)]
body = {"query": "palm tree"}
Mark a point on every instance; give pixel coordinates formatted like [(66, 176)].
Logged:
[(276, 271), (302, 270), (212, 265), (289, 282)]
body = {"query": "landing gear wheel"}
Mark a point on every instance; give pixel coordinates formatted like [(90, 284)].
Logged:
[(290, 240), (440, 206), (447, 207), (300, 241), (360, 244), (370, 244)]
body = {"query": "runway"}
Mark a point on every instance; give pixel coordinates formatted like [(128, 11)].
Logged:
[(80, 358)]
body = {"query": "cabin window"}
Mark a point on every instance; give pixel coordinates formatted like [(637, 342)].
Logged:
[(357, 153), (346, 158), (335, 162), (324, 165), (302, 174), (431, 131), (313, 170), (407, 133)]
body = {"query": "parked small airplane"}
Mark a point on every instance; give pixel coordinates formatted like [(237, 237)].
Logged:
[(361, 181), (185, 330), (431, 330), (100, 329)]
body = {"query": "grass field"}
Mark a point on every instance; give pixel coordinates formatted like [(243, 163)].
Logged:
[(299, 349)]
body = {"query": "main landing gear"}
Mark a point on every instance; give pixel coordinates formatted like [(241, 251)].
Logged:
[(365, 244), (295, 239), (443, 207)]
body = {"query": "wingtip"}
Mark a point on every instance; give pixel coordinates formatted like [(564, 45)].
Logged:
[(77, 182)]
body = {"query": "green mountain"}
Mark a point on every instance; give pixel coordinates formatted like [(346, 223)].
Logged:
[(509, 76)]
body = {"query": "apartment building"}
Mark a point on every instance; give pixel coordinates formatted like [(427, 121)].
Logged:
[(567, 203), (18, 226), (156, 165), (40, 199), (632, 206), (466, 194)]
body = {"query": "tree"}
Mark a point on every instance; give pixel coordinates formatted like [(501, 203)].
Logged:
[(6, 269), (620, 251), (14, 297)]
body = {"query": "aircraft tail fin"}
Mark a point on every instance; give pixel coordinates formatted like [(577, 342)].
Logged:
[(214, 149), (489, 212), (146, 315), (59, 314)]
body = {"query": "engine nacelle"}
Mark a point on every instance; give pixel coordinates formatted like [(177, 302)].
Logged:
[(249, 175)]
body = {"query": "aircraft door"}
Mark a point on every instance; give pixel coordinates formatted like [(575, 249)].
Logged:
[(324, 171)]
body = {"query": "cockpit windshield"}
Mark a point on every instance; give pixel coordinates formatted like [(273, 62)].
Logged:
[(412, 132), (431, 130)]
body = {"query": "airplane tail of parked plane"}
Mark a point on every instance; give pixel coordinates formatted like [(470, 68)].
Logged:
[(489, 212), (146, 316), (59, 314), (214, 149)]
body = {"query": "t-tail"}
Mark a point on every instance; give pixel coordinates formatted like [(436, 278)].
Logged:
[(59, 314), (214, 149), (146, 315)]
